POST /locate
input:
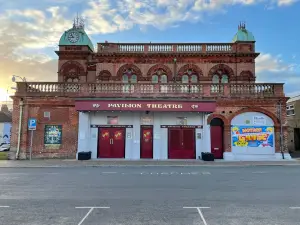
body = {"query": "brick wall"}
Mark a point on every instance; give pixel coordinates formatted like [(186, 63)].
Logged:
[(227, 109), (62, 112)]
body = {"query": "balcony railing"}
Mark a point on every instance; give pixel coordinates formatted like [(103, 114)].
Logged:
[(169, 90), (169, 48)]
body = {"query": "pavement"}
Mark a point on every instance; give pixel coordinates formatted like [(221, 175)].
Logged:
[(157, 195), (144, 163)]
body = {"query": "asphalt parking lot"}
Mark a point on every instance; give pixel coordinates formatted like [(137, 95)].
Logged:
[(150, 195)]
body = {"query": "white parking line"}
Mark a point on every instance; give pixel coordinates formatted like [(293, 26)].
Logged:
[(294, 207), (109, 172), (4, 206), (89, 212), (206, 173), (259, 172), (174, 173), (199, 211)]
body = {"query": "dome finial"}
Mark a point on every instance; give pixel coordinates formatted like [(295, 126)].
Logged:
[(243, 34), (78, 22)]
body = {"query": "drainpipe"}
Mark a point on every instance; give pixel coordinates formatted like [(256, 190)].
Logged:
[(281, 132), (20, 127)]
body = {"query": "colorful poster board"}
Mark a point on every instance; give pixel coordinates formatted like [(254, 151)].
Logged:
[(53, 136), (252, 136), (5, 133)]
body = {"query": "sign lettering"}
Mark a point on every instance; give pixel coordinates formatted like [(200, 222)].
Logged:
[(148, 106), (138, 105), (252, 136), (96, 105)]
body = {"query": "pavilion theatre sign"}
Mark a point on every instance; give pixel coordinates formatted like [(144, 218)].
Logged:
[(110, 105)]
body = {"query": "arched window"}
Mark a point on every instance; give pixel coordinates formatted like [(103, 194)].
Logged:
[(224, 79), (185, 79), (194, 79), (133, 78), (72, 79), (216, 79), (129, 76), (189, 76), (154, 79), (163, 78), (159, 76), (125, 79)]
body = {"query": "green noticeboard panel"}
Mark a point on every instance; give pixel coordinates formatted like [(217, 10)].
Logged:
[(53, 136)]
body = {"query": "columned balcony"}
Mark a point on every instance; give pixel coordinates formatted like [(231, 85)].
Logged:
[(144, 90)]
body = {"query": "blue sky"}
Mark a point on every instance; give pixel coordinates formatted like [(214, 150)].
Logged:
[(30, 30)]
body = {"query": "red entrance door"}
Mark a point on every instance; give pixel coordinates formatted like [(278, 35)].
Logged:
[(216, 136), (146, 142), (182, 143), (111, 143)]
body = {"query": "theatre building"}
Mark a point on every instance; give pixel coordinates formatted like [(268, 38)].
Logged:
[(152, 101)]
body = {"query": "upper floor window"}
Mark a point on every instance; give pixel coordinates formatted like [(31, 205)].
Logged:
[(163, 78), (216, 79), (194, 79), (159, 76), (129, 76), (189, 76), (185, 79), (220, 78), (72, 79), (103, 76), (154, 79), (125, 79), (224, 79), (290, 110)]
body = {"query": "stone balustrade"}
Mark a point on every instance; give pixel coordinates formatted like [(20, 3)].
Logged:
[(195, 90), (167, 48)]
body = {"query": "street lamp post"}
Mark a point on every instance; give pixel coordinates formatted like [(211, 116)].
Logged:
[(21, 105), (14, 78)]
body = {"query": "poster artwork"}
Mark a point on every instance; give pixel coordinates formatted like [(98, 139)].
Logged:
[(105, 135), (5, 134), (53, 136), (118, 135), (252, 136), (147, 135)]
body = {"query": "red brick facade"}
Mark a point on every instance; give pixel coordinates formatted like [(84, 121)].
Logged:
[(85, 67)]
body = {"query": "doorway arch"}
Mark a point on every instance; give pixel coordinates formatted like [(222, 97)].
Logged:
[(217, 137)]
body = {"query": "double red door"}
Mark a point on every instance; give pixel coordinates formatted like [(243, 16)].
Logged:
[(111, 143), (182, 143), (146, 142)]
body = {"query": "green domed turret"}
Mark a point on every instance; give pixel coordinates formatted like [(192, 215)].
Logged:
[(243, 34), (76, 36)]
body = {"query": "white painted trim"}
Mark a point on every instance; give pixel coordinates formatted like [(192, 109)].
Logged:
[(229, 156), (206, 129)]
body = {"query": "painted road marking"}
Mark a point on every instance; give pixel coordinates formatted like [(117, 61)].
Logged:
[(200, 212), (89, 212), (4, 206), (294, 207), (259, 172), (109, 172), (175, 173)]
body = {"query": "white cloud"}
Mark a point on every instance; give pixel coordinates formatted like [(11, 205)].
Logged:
[(267, 62), (30, 28), (272, 69), (35, 29), (286, 2)]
